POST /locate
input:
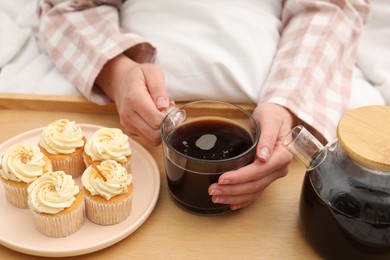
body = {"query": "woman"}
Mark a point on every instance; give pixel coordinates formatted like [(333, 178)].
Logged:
[(293, 58)]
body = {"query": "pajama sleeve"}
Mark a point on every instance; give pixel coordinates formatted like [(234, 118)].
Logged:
[(312, 70), (80, 36)]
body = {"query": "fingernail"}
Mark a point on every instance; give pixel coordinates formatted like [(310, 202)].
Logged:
[(217, 200), (235, 207), (215, 192), (264, 154), (162, 103), (223, 181)]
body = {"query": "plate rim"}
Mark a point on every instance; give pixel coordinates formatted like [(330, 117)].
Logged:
[(115, 238)]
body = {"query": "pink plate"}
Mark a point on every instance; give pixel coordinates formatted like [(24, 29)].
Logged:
[(17, 230)]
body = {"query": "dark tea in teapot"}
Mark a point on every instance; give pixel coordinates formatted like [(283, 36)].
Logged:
[(345, 198), (341, 217)]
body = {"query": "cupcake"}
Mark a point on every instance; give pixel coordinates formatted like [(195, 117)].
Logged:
[(20, 165), (108, 192), (63, 143), (108, 144), (57, 204)]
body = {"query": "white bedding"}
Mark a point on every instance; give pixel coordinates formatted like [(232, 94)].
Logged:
[(25, 68), (374, 52)]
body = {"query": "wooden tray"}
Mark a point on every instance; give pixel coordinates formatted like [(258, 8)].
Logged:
[(266, 229), (74, 104)]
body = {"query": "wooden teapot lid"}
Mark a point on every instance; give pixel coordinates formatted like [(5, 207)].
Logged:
[(364, 133)]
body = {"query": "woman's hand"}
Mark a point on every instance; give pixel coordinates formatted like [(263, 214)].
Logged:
[(241, 187), (139, 93)]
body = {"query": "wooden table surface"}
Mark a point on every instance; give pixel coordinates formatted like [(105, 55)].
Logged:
[(267, 229)]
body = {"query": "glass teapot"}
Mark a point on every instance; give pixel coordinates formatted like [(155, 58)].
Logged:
[(345, 198)]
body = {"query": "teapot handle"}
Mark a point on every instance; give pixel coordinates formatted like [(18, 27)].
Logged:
[(304, 147)]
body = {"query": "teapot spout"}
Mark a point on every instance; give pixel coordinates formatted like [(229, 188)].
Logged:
[(305, 147)]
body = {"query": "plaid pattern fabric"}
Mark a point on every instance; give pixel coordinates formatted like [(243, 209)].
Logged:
[(81, 36), (312, 70), (311, 74)]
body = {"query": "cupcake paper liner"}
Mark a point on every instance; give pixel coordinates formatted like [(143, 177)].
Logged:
[(102, 213), (59, 225), (16, 195), (74, 166)]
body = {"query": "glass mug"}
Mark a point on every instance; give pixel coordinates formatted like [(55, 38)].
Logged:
[(201, 140)]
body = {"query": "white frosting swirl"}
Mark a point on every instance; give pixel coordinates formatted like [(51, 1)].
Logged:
[(52, 192), (22, 163), (117, 179), (62, 137), (108, 144)]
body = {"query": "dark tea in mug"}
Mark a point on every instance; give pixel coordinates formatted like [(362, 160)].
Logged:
[(198, 151)]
